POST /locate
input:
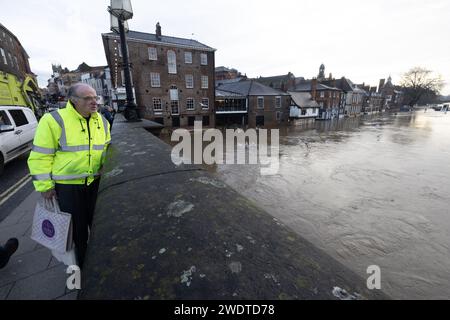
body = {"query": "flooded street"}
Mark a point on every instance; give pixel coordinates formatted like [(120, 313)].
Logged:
[(373, 190)]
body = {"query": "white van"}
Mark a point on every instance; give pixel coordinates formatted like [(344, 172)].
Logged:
[(17, 128)]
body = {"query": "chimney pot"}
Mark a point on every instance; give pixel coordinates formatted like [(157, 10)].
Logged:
[(158, 31)]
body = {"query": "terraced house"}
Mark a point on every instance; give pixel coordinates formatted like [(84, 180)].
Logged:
[(173, 78)]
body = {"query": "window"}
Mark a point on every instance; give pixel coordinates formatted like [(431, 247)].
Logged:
[(3, 55), (174, 93), (11, 59), (189, 81), (174, 107), (152, 54), (204, 82), (190, 104), (120, 50), (155, 80), (260, 102), (19, 117), (157, 104), (191, 121), (172, 61), (205, 103), (277, 102), (259, 120), (278, 115), (205, 121), (204, 59), (4, 119), (188, 57), (322, 94)]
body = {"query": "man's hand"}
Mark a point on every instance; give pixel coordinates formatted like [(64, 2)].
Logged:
[(49, 194)]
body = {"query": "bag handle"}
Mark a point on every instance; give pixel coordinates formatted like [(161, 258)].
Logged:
[(56, 205), (52, 204)]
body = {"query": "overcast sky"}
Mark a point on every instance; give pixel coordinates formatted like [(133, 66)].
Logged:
[(362, 40)]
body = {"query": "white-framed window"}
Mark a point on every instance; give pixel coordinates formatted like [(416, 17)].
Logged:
[(172, 61), (173, 93), (278, 102), (11, 59), (203, 59), (188, 57), (205, 103), (152, 53), (157, 104), (260, 102), (279, 115), (3, 55), (155, 80), (189, 81), (174, 107), (205, 83), (190, 104), (322, 94)]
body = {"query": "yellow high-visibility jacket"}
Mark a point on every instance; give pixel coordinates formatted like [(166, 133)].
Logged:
[(62, 152)]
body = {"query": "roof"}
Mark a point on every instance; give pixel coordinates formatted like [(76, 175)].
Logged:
[(344, 84), (151, 38), (227, 81), (227, 94), (276, 81), (250, 88), (303, 99), (224, 69), (306, 86)]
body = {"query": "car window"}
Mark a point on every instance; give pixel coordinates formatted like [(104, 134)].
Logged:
[(4, 119), (19, 117)]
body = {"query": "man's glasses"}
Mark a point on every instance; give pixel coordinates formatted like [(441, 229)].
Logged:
[(96, 98)]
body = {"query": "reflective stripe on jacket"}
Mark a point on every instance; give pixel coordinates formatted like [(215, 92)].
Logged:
[(62, 152)]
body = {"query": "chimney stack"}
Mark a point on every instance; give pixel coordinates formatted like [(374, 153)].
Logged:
[(313, 88), (158, 31), (381, 85)]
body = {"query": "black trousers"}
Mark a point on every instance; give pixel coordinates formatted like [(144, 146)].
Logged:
[(79, 201)]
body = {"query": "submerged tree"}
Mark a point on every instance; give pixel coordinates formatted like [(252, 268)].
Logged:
[(420, 84)]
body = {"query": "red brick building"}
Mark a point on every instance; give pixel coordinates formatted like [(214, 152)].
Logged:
[(173, 78)]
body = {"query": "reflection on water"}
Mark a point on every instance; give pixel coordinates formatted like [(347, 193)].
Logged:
[(369, 191)]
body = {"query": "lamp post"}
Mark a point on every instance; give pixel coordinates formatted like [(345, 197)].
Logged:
[(121, 11)]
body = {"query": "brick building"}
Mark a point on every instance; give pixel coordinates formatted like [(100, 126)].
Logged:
[(173, 78), (328, 97), (15, 72), (223, 73), (251, 103), (13, 57), (393, 95)]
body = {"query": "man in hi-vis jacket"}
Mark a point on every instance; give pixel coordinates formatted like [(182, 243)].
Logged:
[(68, 152)]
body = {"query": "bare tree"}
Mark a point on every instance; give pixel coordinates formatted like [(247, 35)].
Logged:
[(420, 82)]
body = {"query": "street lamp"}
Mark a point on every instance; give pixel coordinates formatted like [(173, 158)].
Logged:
[(121, 11)]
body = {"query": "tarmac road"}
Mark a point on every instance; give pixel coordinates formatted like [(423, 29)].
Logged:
[(15, 185)]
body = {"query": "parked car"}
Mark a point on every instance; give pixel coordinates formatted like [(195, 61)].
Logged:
[(17, 128)]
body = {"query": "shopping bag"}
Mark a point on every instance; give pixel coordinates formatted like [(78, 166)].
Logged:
[(51, 227), (68, 258)]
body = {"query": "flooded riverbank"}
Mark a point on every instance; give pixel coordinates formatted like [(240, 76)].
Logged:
[(369, 191)]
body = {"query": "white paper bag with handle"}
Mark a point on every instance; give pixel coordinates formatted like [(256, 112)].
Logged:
[(51, 227)]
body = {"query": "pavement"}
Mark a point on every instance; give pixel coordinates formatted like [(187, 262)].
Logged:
[(32, 273)]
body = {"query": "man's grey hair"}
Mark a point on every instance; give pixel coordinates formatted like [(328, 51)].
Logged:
[(73, 90)]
